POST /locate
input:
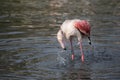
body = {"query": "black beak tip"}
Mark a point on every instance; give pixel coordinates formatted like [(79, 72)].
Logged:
[(90, 43), (89, 40), (64, 49)]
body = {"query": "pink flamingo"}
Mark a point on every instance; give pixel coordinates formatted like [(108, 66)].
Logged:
[(71, 28)]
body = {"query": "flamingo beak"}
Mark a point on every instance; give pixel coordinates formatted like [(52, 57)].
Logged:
[(64, 49), (89, 40)]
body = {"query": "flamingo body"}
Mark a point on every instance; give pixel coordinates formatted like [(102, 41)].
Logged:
[(71, 28)]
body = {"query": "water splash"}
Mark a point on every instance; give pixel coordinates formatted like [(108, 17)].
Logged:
[(61, 59)]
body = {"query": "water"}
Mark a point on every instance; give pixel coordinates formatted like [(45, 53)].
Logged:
[(29, 49)]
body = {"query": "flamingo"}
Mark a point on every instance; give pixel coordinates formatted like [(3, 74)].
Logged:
[(69, 29)]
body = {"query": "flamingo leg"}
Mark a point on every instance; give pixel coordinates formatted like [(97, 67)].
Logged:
[(82, 54), (72, 50)]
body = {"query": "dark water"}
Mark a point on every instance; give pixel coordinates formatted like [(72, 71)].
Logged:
[(29, 49)]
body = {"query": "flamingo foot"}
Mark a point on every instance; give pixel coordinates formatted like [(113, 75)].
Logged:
[(72, 57), (82, 58)]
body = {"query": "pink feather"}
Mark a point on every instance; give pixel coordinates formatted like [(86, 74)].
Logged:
[(83, 26)]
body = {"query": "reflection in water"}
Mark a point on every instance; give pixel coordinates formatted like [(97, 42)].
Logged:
[(83, 73), (29, 49)]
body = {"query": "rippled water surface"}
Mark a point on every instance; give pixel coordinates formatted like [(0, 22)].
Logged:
[(29, 49)]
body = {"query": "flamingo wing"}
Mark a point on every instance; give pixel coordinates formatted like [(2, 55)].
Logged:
[(83, 26)]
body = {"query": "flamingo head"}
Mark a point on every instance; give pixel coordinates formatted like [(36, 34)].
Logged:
[(60, 38)]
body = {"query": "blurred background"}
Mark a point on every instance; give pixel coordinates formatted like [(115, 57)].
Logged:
[(29, 49)]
